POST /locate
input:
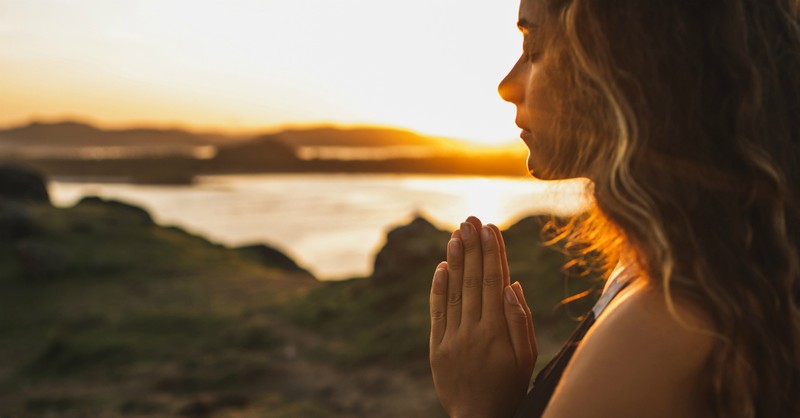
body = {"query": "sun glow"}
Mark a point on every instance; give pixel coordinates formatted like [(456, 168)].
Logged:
[(503, 201), (428, 66)]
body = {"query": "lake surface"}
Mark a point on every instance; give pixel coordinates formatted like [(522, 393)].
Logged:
[(331, 224)]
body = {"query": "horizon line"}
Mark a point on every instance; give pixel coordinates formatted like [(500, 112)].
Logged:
[(227, 131)]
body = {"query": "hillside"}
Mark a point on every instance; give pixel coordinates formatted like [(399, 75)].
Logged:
[(103, 313), (359, 137), (76, 134), (72, 149)]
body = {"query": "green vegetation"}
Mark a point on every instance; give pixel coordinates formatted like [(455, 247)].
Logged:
[(384, 320), (104, 313)]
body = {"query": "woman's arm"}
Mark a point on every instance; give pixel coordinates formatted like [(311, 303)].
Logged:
[(482, 347)]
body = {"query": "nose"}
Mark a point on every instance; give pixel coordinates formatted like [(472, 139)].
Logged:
[(512, 88)]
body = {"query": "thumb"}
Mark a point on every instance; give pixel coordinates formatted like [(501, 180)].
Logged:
[(517, 322)]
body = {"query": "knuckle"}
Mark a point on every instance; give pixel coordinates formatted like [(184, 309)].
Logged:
[(471, 282), (493, 329), (439, 355), (434, 360), (470, 338), (471, 245), (454, 297), (437, 314), (491, 279)]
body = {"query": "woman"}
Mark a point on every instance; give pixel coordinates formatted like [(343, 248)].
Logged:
[(685, 116)]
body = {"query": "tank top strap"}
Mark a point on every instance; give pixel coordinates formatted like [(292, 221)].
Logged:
[(618, 279)]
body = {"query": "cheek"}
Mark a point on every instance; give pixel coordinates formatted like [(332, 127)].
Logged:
[(541, 104), (541, 108)]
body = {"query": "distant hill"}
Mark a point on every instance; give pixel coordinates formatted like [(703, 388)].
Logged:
[(175, 156), (360, 137), (76, 134), (265, 150)]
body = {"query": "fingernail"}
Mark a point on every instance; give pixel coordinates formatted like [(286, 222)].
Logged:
[(438, 278), (486, 234), (466, 230), (511, 297), (455, 246)]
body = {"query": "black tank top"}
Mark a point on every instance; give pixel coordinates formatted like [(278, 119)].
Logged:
[(546, 381)]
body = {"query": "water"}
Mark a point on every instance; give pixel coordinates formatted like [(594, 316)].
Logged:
[(331, 224)]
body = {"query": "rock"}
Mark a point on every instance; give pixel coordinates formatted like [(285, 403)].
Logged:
[(40, 259), (418, 245), (264, 151), (141, 216), (270, 257), (526, 228), (15, 221), (17, 183)]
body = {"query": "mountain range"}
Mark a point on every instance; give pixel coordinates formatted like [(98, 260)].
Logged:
[(72, 133), (78, 150)]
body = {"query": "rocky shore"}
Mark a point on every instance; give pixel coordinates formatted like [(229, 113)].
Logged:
[(105, 313)]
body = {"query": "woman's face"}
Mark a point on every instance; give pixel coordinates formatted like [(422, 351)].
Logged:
[(527, 87)]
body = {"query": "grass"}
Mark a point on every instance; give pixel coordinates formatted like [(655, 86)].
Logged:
[(386, 322), (100, 308), (103, 313)]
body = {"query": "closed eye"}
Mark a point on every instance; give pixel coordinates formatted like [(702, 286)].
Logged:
[(531, 48)]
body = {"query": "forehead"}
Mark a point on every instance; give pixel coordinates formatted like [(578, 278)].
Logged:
[(531, 11)]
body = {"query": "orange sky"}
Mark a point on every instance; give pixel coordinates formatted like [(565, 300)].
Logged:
[(430, 66)]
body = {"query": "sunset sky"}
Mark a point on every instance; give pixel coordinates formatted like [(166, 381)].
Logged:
[(428, 65)]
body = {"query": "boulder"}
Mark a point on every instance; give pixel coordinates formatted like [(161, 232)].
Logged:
[(409, 249), (270, 257), (137, 214), (264, 151), (17, 183)]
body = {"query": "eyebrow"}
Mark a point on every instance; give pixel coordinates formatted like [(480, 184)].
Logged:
[(525, 24)]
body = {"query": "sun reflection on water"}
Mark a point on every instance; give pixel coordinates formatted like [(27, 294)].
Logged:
[(502, 201), (331, 224)]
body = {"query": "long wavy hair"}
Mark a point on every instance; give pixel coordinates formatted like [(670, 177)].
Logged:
[(685, 115)]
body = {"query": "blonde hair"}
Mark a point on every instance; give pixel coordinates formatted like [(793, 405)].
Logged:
[(686, 117)]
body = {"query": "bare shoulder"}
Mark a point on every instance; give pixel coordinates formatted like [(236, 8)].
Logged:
[(638, 360)]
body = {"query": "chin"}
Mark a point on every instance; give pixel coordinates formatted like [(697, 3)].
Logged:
[(543, 172), (536, 171)]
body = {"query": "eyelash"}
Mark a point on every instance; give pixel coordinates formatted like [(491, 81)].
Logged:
[(531, 50)]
